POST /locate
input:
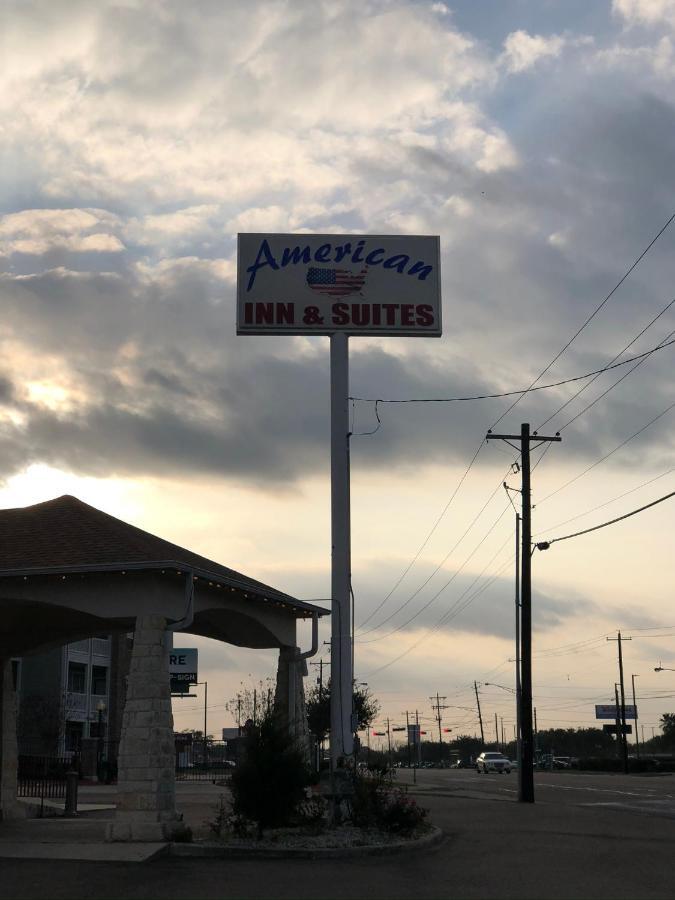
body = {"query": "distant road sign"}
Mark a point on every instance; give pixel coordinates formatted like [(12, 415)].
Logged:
[(609, 711), (611, 729)]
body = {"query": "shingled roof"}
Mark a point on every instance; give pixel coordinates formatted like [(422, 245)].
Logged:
[(67, 535)]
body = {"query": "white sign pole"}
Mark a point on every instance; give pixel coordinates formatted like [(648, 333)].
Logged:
[(341, 736)]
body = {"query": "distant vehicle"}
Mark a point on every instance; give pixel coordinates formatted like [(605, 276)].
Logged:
[(458, 764), (562, 762), (492, 762), (514, 763)]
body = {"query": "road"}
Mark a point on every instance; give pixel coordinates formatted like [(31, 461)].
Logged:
[(652, 795), (609, 837)]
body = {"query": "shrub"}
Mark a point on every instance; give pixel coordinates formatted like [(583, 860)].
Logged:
[(374, 804), (268, 784)]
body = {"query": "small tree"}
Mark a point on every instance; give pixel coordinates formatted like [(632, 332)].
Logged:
[(268, 784), (253, 702), (365, 705)]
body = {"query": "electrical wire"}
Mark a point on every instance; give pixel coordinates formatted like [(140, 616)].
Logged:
[(606, 503), (443, 618), (596, 376), (436, 570), (447, 584), (607, 455), (523, 391), (607, 390), (427, 538), (544, 545), (588, 320)]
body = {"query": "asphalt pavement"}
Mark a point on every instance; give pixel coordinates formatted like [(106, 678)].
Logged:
[(600, 836)]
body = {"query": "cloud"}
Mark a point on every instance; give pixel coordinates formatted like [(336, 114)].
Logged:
[(645, 12), (39, 231), (523, 50)]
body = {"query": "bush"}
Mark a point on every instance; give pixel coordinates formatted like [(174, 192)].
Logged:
[(268, 785), (374, 804)]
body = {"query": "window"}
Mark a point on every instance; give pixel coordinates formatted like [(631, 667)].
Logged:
[(77, 678), (99, 680)]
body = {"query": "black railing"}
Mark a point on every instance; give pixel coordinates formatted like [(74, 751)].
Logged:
[(44, 777), (196, 763)]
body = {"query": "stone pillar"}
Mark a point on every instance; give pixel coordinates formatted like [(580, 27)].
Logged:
[(9, 757), (289, 697), (146, 799)]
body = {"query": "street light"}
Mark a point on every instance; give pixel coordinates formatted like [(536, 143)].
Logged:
[(661, 668), (492, 684)]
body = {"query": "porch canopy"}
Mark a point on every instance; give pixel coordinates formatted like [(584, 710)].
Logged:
[(69, 571)]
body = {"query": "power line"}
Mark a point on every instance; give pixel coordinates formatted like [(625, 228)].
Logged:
[(445, 616), (457, 572), (438, 567), (523, 391), (597, 375), (607, 502), (607, 390), (588, 320), (544, 545), (427, 538), (607, 455)]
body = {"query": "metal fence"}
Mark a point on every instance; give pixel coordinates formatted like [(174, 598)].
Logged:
[(44, 777), (194, 762)]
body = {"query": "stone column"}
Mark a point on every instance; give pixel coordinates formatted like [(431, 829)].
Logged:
[(146, 799), (9, 757), (289, 697)]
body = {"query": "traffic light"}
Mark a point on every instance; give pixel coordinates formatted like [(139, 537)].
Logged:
[(447, 729), (379, 733)]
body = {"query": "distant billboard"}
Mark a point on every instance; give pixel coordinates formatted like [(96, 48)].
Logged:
[(324, 283), (611, 711)]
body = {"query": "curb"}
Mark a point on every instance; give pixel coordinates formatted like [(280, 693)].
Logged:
[(215, 850)]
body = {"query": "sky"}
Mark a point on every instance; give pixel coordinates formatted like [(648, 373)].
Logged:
[(536, 138)]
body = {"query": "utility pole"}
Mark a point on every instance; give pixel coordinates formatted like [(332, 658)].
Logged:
[(624, 736), (419, 742), (389, 741), (619, 739), (438, 706), (407, 731), (496, 732), (526, 786), (519, 754), (637, 742), (238, 715), (480, 718), (501, 725)]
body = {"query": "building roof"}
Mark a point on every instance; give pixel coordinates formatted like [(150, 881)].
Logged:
[(65, 535)]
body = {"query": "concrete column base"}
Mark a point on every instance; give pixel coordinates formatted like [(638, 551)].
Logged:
[(146, 798), (9, 754)]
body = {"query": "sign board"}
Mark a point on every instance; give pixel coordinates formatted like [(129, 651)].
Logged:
[(183, 669), (611, 729), (413, 734), (325, 283), (610, 711), (229, 734)]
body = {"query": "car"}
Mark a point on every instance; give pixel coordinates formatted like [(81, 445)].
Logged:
[(490, 761), (562, 762)]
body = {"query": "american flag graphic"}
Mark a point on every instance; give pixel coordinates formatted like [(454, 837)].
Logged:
[(335, 282)]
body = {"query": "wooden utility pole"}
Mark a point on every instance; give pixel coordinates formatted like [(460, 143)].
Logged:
[(438, 706), (637, 742), (480, 718), (526, 786), (624, 736)]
